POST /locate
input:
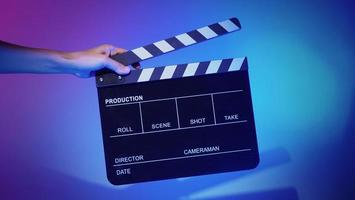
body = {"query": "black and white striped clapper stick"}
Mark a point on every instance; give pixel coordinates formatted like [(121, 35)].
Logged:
[(176, 71), (177, 42)]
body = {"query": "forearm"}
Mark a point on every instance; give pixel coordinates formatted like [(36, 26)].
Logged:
[(17, 59)]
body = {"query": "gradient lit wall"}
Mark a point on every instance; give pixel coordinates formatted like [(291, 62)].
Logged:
[(301, 60)]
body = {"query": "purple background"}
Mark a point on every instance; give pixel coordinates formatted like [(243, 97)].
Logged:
[(301, 57)]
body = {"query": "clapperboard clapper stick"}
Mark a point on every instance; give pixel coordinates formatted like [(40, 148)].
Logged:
[(178, 120)]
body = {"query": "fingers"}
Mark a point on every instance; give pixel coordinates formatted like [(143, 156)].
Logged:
[(108, 50), (117, 50), (104, 49), (116, 67)]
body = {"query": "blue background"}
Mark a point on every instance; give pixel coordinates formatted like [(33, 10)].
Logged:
[(301, 66)]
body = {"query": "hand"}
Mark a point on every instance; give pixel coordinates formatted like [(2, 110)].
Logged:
[(85, 63)]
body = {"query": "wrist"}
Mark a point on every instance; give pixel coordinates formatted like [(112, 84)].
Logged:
[(65, 62)]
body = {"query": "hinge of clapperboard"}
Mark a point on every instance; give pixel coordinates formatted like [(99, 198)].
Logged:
[(106, 77)]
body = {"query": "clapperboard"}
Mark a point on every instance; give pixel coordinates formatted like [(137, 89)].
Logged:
[(177, 120)]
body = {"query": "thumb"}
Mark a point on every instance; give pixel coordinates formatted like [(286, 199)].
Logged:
[(116, 67)]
